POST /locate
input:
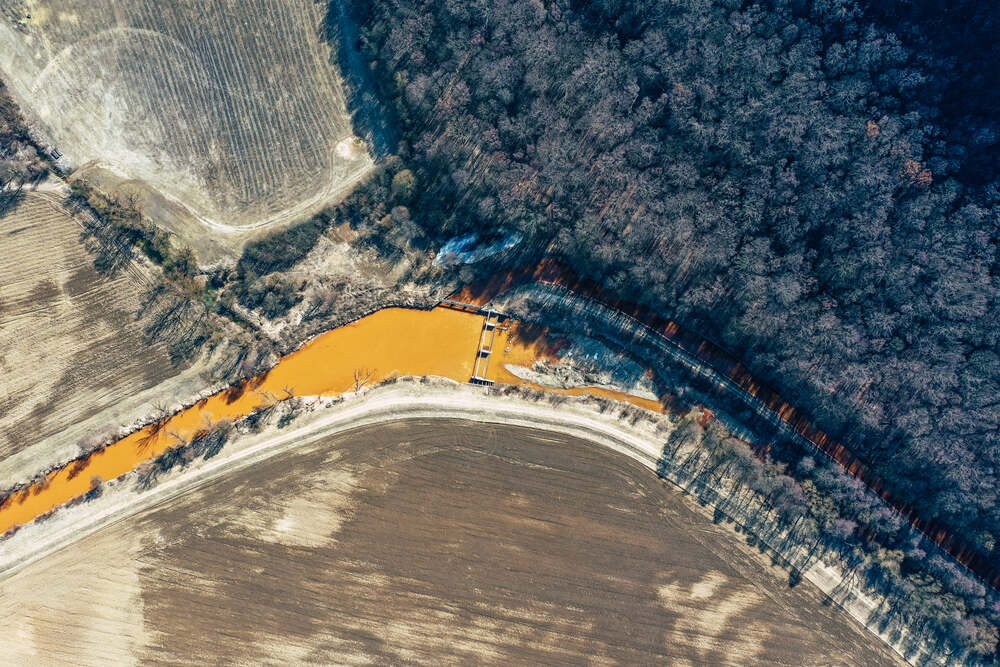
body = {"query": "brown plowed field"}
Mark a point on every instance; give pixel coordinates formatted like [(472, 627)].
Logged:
[(70, 344), (430, 542), (232, 109)]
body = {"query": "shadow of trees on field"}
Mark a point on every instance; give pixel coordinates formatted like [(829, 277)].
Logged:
[(713, 473)]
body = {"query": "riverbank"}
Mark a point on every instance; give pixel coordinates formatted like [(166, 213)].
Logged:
[(388, 343), (392, 342)]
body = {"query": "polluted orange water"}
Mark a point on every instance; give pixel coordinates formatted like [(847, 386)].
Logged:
[(394, 341), (391, 342)]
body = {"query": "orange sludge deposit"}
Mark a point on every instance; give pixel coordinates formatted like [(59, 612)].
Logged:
[(390, 342)]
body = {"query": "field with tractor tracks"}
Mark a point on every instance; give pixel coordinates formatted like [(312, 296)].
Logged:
[(424, 541), (225, 115), (71, 342)]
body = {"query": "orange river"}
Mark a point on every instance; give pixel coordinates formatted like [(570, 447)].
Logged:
[(388, 343)]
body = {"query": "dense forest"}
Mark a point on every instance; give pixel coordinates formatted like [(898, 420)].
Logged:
[(814, 185)]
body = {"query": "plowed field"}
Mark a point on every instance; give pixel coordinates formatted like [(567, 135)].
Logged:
[(424, 542), (233, 110), (70, 343)]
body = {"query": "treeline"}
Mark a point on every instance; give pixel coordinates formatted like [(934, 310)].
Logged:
[(283, 249), (795, 180), (126, 228), (918, 583), (196, 310), (185, 309), (20, 160), (805, 511)]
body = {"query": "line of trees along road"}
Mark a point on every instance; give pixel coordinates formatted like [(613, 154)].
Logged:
[(810, 184), (20, 160)]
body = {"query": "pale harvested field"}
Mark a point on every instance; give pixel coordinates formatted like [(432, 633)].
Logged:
[(233, 110), (70, 344), (424, 542)]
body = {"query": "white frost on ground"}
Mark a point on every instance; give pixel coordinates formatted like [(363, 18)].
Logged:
[(467, 249)]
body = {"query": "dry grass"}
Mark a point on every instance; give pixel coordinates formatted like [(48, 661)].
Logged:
[(232, 110), (432, 542)]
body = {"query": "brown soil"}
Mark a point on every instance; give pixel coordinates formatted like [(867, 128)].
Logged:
[(431, 542), (70, 342), (236, 123)]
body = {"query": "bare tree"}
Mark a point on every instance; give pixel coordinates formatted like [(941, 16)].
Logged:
[(160, 410), (362, 376), (96, 488), (97, 439), (179, 441), (10, 193)]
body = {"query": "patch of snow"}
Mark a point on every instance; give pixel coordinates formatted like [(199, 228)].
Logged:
[(467, 250)]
